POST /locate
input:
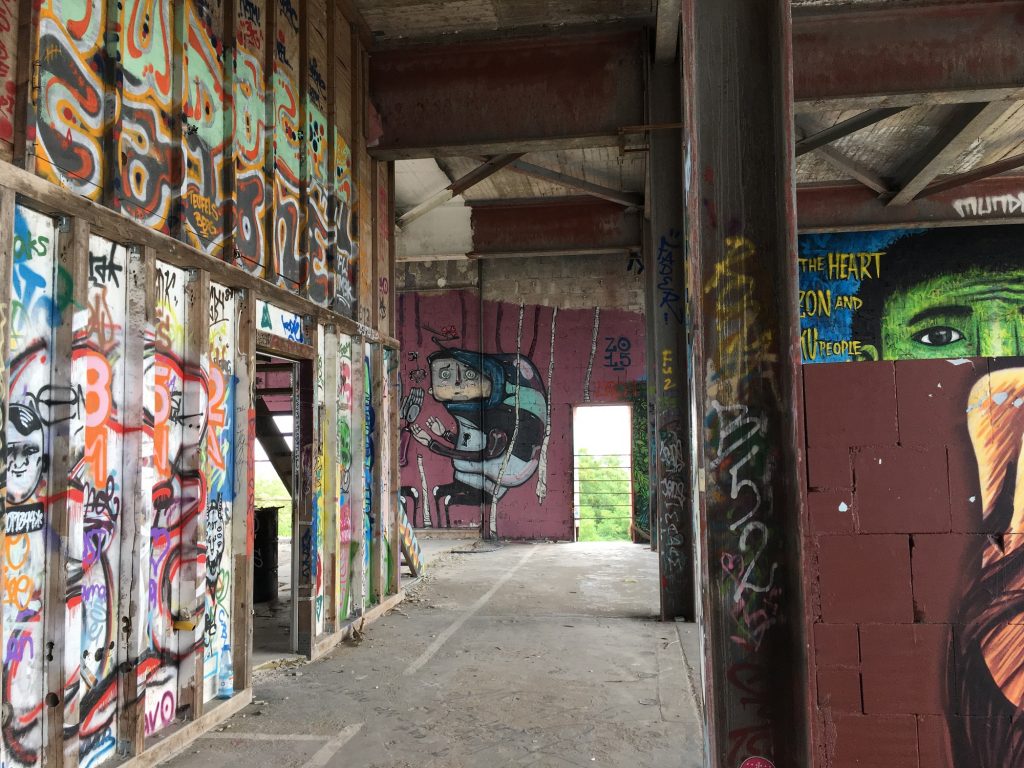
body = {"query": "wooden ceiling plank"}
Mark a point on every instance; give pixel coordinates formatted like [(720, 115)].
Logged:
[(457, 187), (627, 199), (845, 128), (967, 123), (969, 177)]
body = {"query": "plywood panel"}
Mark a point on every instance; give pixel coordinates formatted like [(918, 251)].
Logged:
[(204, 197), (252, 196), (317, 155), (288, 268)]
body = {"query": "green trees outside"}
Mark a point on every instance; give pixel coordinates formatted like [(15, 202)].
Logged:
[(270, 492), (604, 497)]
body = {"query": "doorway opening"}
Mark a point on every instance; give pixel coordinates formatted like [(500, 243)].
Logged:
[(602, 472), (276, 476)]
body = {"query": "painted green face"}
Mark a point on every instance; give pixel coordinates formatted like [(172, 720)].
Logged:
[(972, 314)]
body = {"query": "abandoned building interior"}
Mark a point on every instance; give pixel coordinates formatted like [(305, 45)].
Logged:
[(512, 382)]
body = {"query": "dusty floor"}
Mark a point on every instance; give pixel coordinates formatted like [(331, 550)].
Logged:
[(529, 655)]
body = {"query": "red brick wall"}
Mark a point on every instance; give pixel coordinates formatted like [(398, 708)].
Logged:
[(894, 535)]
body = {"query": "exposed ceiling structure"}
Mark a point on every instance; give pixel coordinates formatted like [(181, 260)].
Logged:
[(898, 119)]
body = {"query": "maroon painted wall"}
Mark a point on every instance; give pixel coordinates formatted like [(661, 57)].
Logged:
[(613, 378), (910, 564)]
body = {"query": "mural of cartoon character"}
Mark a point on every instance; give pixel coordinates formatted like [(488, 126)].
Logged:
[(499, 405)]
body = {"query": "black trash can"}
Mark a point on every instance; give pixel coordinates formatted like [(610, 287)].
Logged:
[(264, 553)]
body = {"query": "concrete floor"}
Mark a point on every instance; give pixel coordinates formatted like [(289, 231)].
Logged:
[(541, 655)]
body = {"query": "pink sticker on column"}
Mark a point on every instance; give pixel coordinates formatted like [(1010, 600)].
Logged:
[(757, 762)]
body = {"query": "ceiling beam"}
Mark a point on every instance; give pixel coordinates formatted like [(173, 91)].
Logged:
[(855, 170), (457, 187), (853, 207), (900, 56), (628, 199), (964, 127), (576, 90), (962, 179), (666, 30), (564, 225), (501, 96), (844, 128)]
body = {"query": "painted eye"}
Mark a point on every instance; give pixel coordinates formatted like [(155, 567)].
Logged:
[(445, 375), (940, 336), (470, 374)]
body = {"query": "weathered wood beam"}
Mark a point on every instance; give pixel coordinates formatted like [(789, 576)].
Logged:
[(481, 173), (947, 183), (844, 128), (273, 442), (807, 125), (966, 124), (628, 199)]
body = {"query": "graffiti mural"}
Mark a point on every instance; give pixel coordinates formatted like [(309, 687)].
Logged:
[(146, 131), (348, 543), (96, 494), (250, 116), (318, 176), (204, 196), (288, 265), (279, 322), (169, 497), (220, 479), (902, 294), (369, 436), (344, 239), (485, 437), (32, 314), (8, 69), (74, 107)]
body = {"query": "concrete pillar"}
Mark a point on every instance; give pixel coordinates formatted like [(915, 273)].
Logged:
[(737, 71), (671, 510)]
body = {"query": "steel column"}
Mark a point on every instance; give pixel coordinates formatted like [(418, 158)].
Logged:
[(742, 283), (666, 323)]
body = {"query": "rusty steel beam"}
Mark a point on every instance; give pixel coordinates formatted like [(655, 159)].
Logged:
[(564, 91), (549, 226), (502, 96), (851, 207), (901, 56), (742, 285)]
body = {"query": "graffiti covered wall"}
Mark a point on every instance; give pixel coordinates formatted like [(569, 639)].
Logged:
[(128, 106), (488, 437), (914, 513), (184, 430)]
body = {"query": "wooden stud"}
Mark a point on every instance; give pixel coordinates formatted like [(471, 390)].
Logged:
[(392, 500), (304, 555), (7, 206), (133, 592), (60, 748), (230, 37), (27, 79), (193, 452), (243, 521)]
